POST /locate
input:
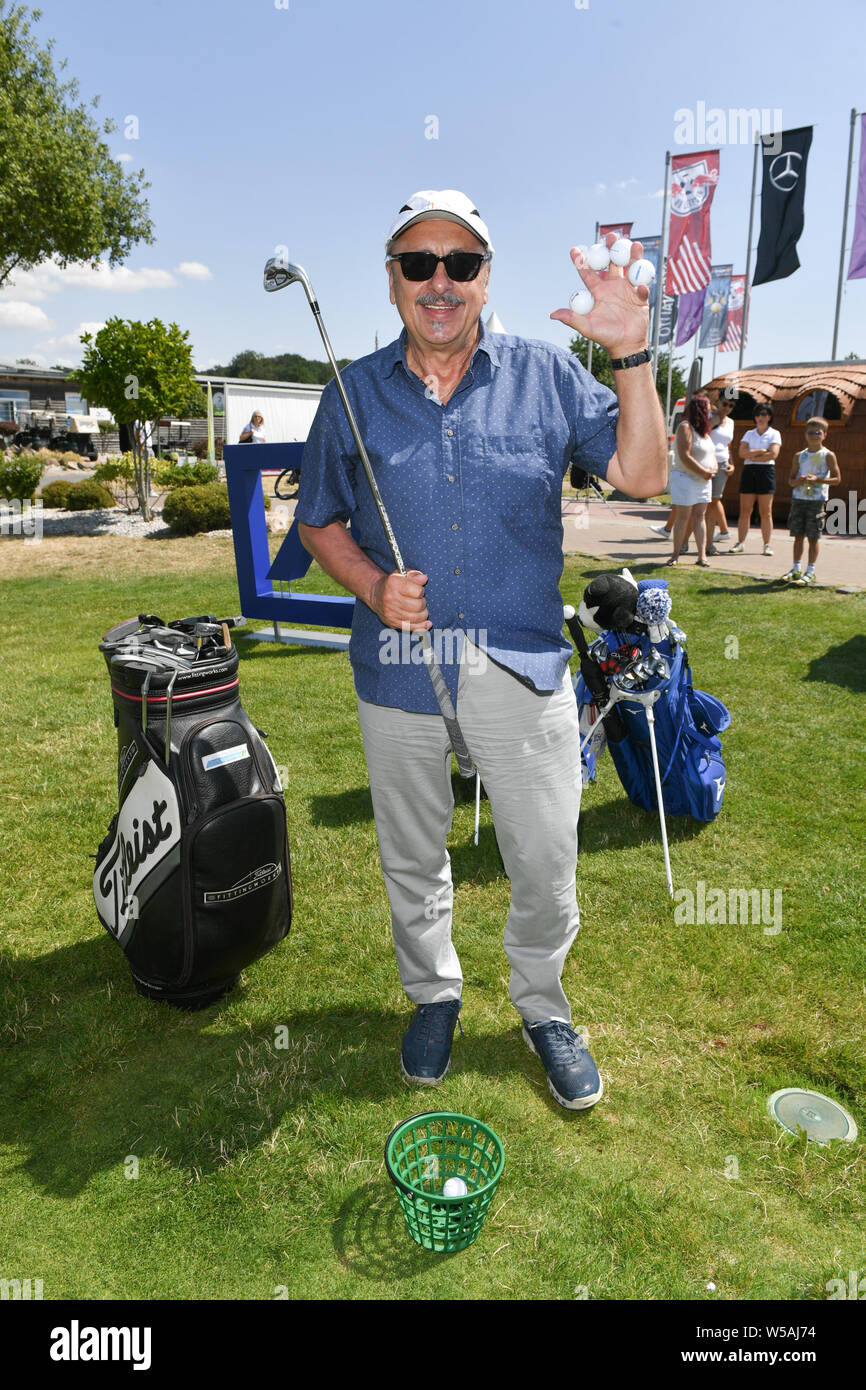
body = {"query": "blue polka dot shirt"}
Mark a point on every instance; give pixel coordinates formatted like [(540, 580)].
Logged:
[(473, 490)]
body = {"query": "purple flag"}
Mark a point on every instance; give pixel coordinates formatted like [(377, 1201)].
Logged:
[(857, 263), (691, 313)]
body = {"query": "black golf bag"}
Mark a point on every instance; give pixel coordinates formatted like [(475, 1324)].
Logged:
[(193, 878)]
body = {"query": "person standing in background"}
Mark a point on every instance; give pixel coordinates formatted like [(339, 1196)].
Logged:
[(722, 435)]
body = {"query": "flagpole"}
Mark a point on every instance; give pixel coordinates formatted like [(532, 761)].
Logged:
[(589, 340), (663, 257), (748, 294), (844, 229), (670, 374)]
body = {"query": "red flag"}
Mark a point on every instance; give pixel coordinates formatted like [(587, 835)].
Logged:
[(692, 187), (736, 296), (621, 229)]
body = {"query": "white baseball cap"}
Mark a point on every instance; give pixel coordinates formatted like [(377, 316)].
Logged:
[(447, 203)]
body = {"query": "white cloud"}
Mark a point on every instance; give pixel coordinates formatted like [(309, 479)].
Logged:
[(49, 278), (123, 158), (16, 314), (659, 193), (193, 270), (73, 339), (626, 183), (601, 188)]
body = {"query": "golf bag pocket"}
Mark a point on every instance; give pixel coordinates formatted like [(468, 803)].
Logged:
[(703, 776), (220, 764), (710, 715), (236, 877)]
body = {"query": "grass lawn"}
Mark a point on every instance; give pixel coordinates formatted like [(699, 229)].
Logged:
[(260, 1167)]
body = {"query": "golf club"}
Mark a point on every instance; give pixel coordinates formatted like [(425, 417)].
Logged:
[(278, 274)]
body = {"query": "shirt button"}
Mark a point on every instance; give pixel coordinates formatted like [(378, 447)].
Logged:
[(449, 432), (451, 477), (457, 571), (454, 526), (461, 615)]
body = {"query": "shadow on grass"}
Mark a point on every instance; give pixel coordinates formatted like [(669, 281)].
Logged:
[(842, 665), (352, 807), (91, 1073), (371, 1238), (620, 825)]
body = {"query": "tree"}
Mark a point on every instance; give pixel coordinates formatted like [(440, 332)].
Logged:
[(287, 366), (140, 372), (62, 192), (603, 371)]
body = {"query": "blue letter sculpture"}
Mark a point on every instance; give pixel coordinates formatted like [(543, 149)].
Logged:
[(256, 575)]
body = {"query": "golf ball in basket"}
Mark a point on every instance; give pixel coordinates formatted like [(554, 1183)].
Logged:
[(641, 272), (454, 1187), (582, 301), (598, 256), (620, 252)]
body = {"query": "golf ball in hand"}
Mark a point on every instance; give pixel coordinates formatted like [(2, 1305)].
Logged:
[(582, 301), (598, 256), (641, 272), (620, 252), (454, 1187)]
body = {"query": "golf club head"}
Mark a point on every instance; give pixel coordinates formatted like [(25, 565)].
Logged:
[(280, 272)]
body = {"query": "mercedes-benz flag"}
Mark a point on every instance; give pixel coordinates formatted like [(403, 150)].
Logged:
[(783, 192)]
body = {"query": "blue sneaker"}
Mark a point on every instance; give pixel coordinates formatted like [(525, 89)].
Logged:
[(571, 1073), (426, 1052)]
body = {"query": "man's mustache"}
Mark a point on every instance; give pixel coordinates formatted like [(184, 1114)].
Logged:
[(435, 301)]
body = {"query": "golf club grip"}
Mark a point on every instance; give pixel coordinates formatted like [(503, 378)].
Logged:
[(595, 681), (577, 635)]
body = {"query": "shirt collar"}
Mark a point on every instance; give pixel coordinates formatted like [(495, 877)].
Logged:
[(394, 354)]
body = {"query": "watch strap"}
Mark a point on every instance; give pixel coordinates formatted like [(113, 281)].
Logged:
[(636, 359)]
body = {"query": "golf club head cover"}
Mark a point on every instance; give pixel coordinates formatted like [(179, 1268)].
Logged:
[(193, 879), (609, 602)]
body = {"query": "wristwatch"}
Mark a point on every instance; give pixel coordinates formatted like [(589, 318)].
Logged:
[(636, 359)]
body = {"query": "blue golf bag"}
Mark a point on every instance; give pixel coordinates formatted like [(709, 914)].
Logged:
[(688, 722)]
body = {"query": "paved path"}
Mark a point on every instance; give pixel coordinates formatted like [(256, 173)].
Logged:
[(620, 532)]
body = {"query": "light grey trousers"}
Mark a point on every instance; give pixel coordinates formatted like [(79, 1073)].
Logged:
[(526, 747)]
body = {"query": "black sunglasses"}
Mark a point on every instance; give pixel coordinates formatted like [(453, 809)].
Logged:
[(459, 265)]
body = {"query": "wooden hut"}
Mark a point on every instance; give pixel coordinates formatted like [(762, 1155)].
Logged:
[(835, 390)]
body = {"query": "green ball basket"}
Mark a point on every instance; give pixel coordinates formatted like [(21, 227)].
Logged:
[(421, 1153)]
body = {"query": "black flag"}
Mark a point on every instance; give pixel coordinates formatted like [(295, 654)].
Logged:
[(783, 192)]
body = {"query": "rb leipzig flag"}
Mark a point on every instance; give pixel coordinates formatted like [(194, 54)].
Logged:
[(857, 263), (736, 299), (693, 184), (783, 193), (714, 324)]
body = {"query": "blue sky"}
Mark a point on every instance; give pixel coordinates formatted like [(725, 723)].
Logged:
[(306, 123)]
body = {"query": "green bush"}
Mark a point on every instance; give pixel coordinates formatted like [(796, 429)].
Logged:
[(19, 476), (169, 475), (55, 494), (87, 496), (118, 467), (189, 510)]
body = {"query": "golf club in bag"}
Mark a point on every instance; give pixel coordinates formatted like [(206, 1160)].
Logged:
[(277, 274), (193, 879)]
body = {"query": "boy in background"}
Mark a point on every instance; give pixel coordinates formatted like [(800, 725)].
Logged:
[(813, 472)]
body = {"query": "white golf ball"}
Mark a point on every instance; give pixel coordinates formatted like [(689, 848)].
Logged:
[(582, 301), (598, 256), (620, 252), (454, 1187), (641, 272)]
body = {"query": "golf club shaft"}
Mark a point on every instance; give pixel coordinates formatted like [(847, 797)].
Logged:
[(443, 699)]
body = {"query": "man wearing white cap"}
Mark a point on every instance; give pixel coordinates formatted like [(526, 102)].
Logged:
[(470, 435)]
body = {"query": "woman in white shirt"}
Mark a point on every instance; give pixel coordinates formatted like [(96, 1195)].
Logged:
[(691, 477), (722, 435), (254, 433), (759, 449)]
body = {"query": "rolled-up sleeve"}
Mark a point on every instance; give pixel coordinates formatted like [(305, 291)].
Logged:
[(325, 489), (592, 411)]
